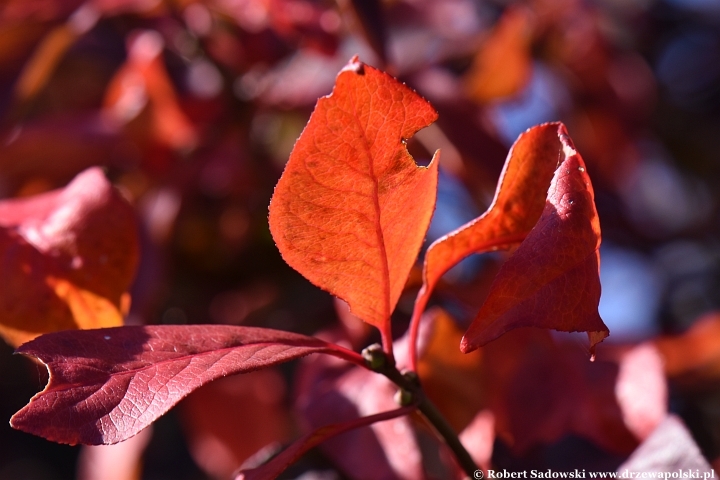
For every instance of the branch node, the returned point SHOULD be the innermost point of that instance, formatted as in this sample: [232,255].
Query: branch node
[375,357]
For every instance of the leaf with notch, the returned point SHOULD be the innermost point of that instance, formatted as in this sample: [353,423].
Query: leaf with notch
[106,385]
[351,209]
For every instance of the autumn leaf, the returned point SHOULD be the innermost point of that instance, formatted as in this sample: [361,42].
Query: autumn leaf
[352,208]
[106,385]
[68,259]
[520,198]
[219,439]
[330,391]
[519,201]
[478,438]
[124,460]
[693,358]
[450,378]
[278,464]
[641,390]
[143,82]
[75,142]
[503,65]
[552,279]
[669,448]
[540,390]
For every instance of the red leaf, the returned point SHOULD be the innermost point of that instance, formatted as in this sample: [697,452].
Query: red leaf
[503,65]
[641,389]
[259,410]
[669,448]
[332,392]
[552,280]
[693,358]
[352,208]
[143,81]
[274,467]
[68,257]
[106,385]
[540,390]
[478,438]
[122,461]
[519,201]
[450,378]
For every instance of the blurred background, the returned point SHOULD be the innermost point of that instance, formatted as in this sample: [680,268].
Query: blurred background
[192,108]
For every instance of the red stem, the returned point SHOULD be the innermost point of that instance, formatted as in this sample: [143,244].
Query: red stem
[420,304]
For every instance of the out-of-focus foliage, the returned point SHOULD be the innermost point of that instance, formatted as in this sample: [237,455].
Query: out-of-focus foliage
[192,109]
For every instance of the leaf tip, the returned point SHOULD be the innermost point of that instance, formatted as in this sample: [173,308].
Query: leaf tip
[595,338]
[466,346]
[355,65]
[567,143]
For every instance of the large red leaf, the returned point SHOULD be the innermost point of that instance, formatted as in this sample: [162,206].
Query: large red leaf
[352,208]
[67,258]
[108,384]
[552,280]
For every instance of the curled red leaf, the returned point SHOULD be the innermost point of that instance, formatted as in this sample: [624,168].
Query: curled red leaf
[552,280]
[519,201]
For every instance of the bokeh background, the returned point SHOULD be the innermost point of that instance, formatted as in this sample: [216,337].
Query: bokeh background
[192,108]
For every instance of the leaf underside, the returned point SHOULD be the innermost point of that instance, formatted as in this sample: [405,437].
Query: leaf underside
[552,280]
[544,206]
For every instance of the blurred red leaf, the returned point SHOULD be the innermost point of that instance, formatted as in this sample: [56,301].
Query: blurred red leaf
[503,64]
[122,461]
[694,356]
[106,385]
[552,280]
[220,438]
[352,208]
[74,142]
[540,390]
[68,259]
[40,66]
[277,464]
[143,82]
[450,378]
[669,448]
[332,392]
[641,390]
[479,437]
